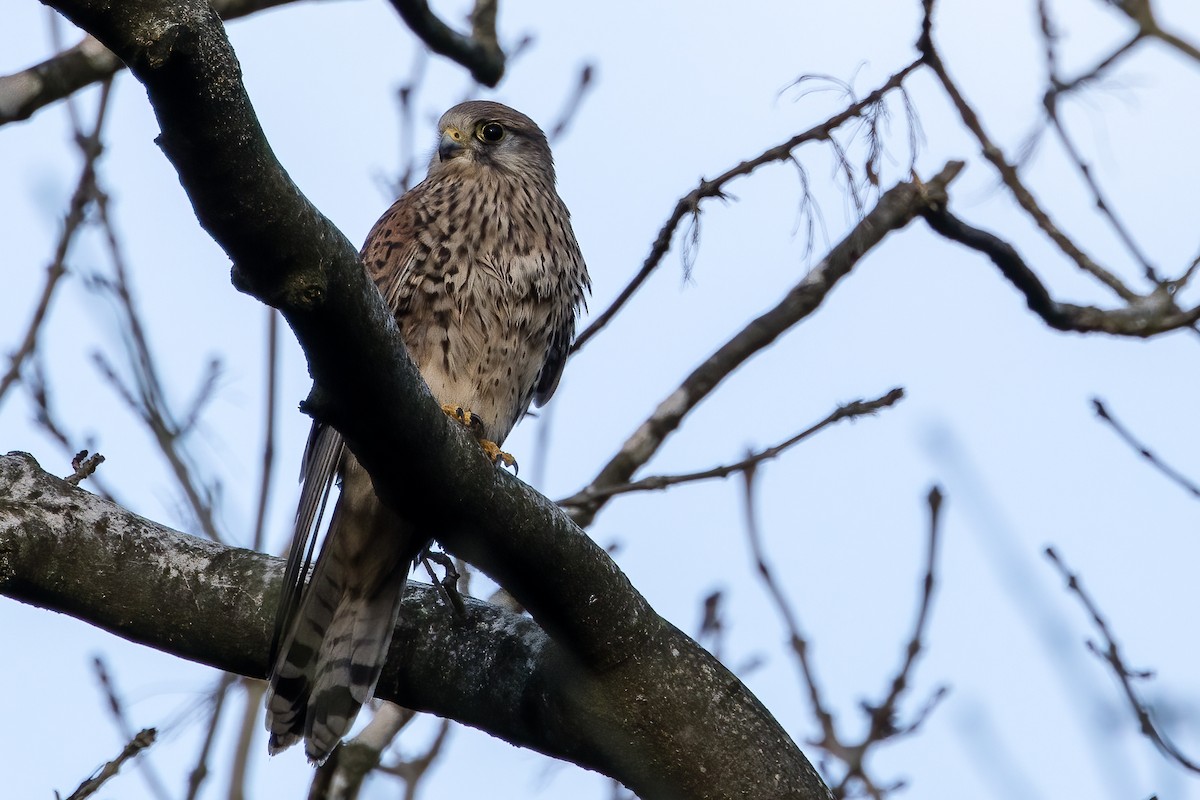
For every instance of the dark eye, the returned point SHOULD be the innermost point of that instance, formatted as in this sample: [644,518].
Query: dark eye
[492,132]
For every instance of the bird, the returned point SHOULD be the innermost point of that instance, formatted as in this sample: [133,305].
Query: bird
[482,270]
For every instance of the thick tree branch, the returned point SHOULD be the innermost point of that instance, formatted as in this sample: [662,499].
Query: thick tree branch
[67,550]
[26,92]
[662,715]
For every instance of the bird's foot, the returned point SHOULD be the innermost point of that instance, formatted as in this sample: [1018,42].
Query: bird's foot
[468,418]
[498,456]
[474,423]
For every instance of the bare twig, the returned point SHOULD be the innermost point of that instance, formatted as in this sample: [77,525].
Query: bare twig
[856,408]
[90,147]
[414,769]
[46,417]
[137,744]
[268,448]
[797,641]
[1144,316]
[1008,172]
[480,52]
[84,465]
[1142,14]
[689,204]
[895,208]
[571,107]
[200,771]
[1175,475]
[406,95]
[882,717]
[1111,654]
[1050,103]
[117,709]
[712,625]
[242,754]
[147,397]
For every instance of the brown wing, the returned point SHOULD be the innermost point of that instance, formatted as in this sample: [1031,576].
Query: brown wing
[556,359]
[392,248]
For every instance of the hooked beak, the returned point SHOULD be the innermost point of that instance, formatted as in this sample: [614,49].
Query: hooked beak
[452,143]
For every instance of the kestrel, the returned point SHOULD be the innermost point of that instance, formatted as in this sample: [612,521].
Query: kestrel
[482,270]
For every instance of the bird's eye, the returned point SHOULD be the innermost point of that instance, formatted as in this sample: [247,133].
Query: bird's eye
[491,132]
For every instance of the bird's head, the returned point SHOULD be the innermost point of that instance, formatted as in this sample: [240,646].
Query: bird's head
[482,134]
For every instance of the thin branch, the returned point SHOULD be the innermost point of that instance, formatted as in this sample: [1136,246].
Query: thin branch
[117,709]
[1142,14]
[90,147]
[84,465]
[689,204]
[242,754]
[1127,436]
[573,103]
[1144,316]
[1063,87]
[268,447]
[797,641]
[136,745]
[200,771]
[894,210]
[1050,103]
[480,52]
[882,718]
[414,769]
[1111,653]
[855,408]
[147,397]
[46,417]
[1008,172]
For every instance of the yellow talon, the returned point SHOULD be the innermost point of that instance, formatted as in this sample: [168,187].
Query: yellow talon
[497,455]
[474,423]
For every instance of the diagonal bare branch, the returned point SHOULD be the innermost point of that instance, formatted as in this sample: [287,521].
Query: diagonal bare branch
[1111,653]
[689,204]
[1008,172]
[82,199]
[894,210]
[855,408]
[24,93]
[1146,316]
[1145,452]
[136,745]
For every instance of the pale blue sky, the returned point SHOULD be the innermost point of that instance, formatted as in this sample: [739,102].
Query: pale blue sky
[998,408]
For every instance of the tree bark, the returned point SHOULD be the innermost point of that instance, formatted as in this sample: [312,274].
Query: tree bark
[643,722]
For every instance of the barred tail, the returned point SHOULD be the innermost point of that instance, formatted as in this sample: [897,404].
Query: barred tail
[333,653]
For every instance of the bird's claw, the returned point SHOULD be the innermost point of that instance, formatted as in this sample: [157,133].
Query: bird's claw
[474,423]
[468,418]
[498,456]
